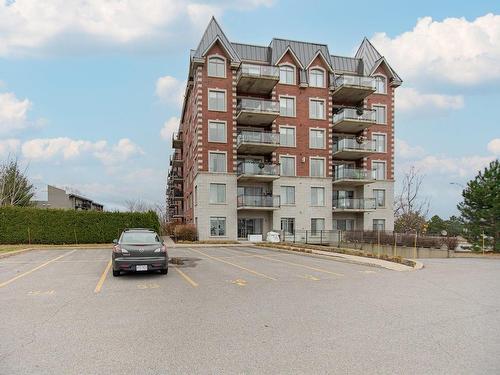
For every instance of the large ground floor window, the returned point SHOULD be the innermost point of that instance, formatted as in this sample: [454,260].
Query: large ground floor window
[217,226]
[288,225]
[250,226]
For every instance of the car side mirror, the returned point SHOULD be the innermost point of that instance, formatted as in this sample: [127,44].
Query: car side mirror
[115,241]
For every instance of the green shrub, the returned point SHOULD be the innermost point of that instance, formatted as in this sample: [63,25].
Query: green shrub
[22,225]
[185,232]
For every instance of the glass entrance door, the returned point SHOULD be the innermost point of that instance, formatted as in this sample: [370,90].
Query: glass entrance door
[249,226]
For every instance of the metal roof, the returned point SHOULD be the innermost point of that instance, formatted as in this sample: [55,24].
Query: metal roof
[344,64]
[367,58]
[304,51]
[213,33]
[372,58]
[252,52]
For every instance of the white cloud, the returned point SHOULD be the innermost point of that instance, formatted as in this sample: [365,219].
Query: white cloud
[406,151]
[13,113]
[494,146]
[170,90]
[409,100]
[454,50]
[170,126]
[30,26]
[44,149]
[9,146]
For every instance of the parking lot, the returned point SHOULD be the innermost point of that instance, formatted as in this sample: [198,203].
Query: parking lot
[246,310]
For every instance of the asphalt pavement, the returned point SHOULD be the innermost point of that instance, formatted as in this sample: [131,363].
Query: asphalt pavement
[228,310]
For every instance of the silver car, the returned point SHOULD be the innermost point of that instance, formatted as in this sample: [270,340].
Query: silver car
[139,250]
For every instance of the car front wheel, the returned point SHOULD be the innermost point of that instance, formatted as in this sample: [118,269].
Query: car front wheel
[116,273]
[164,271]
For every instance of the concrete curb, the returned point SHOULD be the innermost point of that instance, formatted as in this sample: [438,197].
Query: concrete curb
[370,262]
[21,251]
[180,245]
[15,252]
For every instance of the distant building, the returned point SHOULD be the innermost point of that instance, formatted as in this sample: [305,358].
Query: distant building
[58,198]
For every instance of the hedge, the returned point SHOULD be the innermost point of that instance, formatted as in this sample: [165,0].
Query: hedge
[22,225]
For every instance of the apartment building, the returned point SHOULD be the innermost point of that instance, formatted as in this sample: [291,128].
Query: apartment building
[283,137]
[59,198]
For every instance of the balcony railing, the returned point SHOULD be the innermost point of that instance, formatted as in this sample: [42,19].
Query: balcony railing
[343,173]
[176,140]
[258,71]
[354,114]
[359,81]
[248,136]
[265,201]
[354,204]
[257,105]
[258,169]
[354,144]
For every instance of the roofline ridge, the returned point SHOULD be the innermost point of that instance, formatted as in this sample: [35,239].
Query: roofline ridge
[300,41]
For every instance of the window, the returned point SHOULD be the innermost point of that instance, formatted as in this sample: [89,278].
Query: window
[379,196]
[316,109]
[287,75]
[380,143]
[317,224]
[380,114]
[287,195]
[343,224]
[217,226]
[287,136]
[316,138]
[216,67]
[217,131]
[217,193]
[288,225]
[317,196]
[217,162]
[380,85]
[216,100]
[316,78]
[378,224]
[317,167]
[378,170]
[287,106]
[196,195]
[287,165]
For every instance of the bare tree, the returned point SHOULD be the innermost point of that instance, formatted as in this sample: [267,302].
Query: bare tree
[137,205]
[410,209]
[15,187]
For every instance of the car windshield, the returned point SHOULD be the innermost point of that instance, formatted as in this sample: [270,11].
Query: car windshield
[139,238]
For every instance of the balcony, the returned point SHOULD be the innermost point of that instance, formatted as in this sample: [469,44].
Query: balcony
[352,89]
[353,148]
[257,143]
[347,176]
[353,204]
[176,141]
[257,79]
[353,120]
[258,202]
[257,171]
[176,159]
[256,112]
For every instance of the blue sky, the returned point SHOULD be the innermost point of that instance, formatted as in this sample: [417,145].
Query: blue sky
[90,91]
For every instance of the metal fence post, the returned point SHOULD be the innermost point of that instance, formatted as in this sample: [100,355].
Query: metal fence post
[306,236]
[321,237]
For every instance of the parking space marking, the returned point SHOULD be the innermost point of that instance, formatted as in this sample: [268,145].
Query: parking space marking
[98,287]
[300,265]
[41,292]
[189,280]
[310,277]
[5,283]
[148,286]
[233,264]
[239,282]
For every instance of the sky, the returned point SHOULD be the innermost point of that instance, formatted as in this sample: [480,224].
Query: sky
[91,90]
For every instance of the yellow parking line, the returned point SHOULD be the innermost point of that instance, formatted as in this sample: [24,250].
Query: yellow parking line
[186,277]
[34,269]
[98,287]
[234,265]
[300,265]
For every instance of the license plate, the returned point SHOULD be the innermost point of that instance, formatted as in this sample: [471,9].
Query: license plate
[141,268]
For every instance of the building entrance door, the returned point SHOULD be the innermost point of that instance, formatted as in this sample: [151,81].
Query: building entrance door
[249,226]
